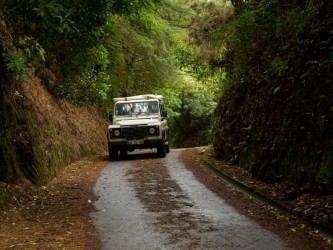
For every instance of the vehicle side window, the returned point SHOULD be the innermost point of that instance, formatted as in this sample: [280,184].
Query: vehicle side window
[161,109]
[153,107]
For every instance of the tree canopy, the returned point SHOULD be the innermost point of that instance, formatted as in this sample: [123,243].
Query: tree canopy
[261,69]
[89,53]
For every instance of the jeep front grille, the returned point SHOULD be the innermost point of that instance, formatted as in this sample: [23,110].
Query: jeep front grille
[134,132]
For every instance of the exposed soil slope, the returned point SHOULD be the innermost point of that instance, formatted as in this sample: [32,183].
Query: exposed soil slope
[57,216]
[42,134]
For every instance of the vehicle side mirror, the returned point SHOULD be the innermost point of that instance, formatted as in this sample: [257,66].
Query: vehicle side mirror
[165,113]
[111,117]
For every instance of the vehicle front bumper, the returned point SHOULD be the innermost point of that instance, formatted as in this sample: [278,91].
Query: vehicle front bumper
[137,143]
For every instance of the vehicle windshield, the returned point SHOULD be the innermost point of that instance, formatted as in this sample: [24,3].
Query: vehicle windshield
[137,108]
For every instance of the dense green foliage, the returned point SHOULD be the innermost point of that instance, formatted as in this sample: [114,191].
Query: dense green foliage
[266,64]
[276,119]
[67,39]
[146,52]
[87,54]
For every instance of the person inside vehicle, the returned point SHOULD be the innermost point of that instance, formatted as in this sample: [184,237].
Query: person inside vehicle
[136,109]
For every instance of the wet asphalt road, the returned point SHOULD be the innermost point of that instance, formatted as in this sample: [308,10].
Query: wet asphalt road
[181,213]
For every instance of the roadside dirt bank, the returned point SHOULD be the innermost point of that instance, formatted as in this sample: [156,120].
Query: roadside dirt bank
[286,225]
[56,216]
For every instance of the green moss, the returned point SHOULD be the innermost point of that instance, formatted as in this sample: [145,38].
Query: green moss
[3,196]
[285,94]
[31,150]
[325,173]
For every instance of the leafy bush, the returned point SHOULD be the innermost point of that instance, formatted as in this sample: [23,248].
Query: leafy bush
[276,118]
[84,80]
[190,117]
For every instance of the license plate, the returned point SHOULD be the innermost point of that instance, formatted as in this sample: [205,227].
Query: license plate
[136,142]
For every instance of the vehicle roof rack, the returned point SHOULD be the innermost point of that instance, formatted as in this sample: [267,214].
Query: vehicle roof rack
[138,98]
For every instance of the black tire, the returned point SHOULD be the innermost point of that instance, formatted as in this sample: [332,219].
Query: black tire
[161,150]
[113,152]
[123,152]
[167,149]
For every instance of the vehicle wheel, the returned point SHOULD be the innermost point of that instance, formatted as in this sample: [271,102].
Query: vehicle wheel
[123,152]
[161,150]
[167,150]
[113,152]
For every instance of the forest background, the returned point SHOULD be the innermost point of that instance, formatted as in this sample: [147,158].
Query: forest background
[251,78]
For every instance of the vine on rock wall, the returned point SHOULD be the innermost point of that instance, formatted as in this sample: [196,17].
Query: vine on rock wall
[277,118]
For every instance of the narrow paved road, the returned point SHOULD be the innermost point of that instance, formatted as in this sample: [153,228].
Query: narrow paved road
[151,203]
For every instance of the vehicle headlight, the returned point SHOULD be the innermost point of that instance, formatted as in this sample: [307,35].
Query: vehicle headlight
[154,130]
[115,132]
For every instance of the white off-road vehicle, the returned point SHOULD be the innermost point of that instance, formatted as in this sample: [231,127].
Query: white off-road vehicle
[138,122]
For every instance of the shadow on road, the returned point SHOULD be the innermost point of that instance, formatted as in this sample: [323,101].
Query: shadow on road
[138,155]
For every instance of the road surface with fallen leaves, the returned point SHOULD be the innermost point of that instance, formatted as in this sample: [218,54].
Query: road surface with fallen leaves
[152,203]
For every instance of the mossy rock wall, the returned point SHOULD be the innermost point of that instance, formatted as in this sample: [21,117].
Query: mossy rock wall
[277,118]
[275,137]
[40,135]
